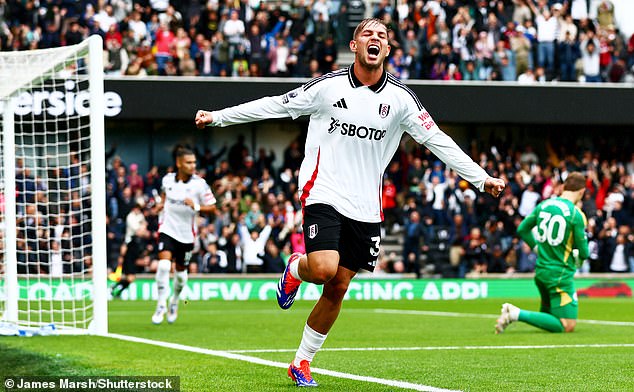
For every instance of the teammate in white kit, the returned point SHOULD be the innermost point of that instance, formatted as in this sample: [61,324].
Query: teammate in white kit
[357,118]
[184,195]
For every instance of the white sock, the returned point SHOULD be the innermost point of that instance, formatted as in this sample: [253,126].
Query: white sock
[180,279]
[311,343]
[514,312]
[163,280]
[294,269]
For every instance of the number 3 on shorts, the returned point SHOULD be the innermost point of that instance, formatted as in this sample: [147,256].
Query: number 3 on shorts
[374,250]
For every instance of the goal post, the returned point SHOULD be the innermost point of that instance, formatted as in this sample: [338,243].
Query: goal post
[53,271]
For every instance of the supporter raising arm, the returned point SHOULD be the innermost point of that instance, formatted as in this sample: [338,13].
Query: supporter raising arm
[358,116]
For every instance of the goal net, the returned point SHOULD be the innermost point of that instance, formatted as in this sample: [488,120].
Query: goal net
[52,190]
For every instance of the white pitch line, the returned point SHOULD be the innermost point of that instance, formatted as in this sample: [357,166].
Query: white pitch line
[440,348]
[488,316]
[260,361]
[606,322]
[434,313]
[388,311]
[208,311]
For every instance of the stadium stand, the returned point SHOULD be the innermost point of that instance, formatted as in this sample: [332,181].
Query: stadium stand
[476,40]
[471,234]
[505,40]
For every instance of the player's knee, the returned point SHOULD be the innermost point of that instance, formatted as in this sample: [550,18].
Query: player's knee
[322,273]
[320,267]
[569,324]
[338,289]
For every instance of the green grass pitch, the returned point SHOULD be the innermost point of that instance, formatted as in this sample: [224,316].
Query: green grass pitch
[427,344]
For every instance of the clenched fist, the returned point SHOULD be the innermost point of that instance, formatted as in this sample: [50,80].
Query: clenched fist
[494,186]
[202,119]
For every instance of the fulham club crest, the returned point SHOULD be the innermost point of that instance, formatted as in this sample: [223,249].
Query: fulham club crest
[312,231]
[384,110]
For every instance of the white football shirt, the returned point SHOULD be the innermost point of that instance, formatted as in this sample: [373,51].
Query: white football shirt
[177,219]
[354,131]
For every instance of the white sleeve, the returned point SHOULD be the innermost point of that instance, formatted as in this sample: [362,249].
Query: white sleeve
[206,196]
[264,235]
[418,122]
[445,148]
[260,109]
[266,232]
[163,186]
[293,104]
[244,232]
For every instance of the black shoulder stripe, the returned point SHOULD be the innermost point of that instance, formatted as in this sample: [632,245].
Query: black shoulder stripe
[393,80]
[329,75]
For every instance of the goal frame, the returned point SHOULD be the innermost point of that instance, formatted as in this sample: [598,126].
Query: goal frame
[99,322]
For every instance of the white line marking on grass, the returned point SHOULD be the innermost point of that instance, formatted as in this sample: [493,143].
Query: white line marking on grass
[260,361]
[606,322]
[433,313]
[440,348]
[488,316]
[208,311]
[385,311]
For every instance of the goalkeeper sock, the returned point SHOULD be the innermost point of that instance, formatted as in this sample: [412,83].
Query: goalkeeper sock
[311,343]
[163,280]
[180,279]
[541,320]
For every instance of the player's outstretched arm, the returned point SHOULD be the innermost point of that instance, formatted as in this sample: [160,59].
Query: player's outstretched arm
[445,148]
[202,119]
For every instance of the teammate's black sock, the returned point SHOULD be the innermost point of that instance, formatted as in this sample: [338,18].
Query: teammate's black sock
[124,283]
[119,287]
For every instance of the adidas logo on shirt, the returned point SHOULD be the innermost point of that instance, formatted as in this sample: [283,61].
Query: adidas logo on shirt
[340,104]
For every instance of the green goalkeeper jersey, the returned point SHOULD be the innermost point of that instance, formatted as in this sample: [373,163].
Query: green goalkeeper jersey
[557,227]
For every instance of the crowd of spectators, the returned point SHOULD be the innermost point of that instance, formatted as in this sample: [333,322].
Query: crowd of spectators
[53,219]
[443,226]
[446,228]
[506,40]
[449,229]
[257,225]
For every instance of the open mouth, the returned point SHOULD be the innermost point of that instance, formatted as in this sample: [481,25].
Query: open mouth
[374,50]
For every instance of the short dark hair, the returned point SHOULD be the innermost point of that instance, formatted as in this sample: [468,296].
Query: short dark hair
[182,151]
[366,22]
[574,182]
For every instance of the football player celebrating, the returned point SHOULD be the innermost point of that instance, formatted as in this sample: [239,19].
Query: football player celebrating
[357,118]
